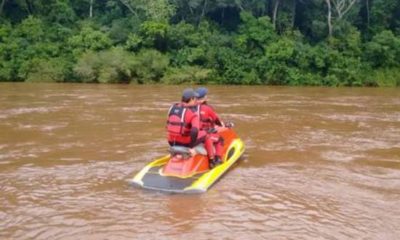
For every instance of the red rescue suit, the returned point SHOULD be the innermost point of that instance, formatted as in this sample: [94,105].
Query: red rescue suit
[208,117]
[183,127]
[208,120]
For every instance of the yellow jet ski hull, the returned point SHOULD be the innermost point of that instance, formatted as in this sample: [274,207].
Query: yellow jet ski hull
[152,177]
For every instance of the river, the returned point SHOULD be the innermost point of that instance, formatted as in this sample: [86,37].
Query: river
[320,163]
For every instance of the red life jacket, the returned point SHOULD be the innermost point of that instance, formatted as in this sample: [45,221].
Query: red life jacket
[177,123]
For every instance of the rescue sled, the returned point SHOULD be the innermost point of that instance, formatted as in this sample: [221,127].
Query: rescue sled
[179,172]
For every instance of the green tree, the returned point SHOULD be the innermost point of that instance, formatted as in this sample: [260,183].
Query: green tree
[383,50]
[187,74]
[283,42]
[154,34]
[89,39]
[119,66]
[255,33]
[155,10]
[110,66]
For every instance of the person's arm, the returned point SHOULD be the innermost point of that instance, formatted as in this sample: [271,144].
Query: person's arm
[194,131]
[214,116]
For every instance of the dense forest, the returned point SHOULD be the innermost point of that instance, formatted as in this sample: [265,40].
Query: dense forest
[274,42]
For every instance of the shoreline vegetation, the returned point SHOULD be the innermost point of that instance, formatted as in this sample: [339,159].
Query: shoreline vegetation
[243,42]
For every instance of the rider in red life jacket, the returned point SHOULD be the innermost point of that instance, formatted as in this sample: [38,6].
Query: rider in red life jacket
[183,124]
[208,120]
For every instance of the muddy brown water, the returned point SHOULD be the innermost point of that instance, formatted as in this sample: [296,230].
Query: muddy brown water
[320,163]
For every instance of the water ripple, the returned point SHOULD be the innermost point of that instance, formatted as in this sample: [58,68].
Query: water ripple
[320,164]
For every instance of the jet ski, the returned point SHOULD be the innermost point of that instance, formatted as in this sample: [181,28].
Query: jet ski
[182,172]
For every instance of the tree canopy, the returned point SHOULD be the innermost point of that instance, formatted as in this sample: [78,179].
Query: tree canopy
[276,42]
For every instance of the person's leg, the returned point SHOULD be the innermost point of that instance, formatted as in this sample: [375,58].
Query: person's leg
[204,138]
[208,145]
[218,143]
[219,147]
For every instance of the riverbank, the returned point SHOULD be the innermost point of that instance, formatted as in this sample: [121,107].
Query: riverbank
[380,78]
